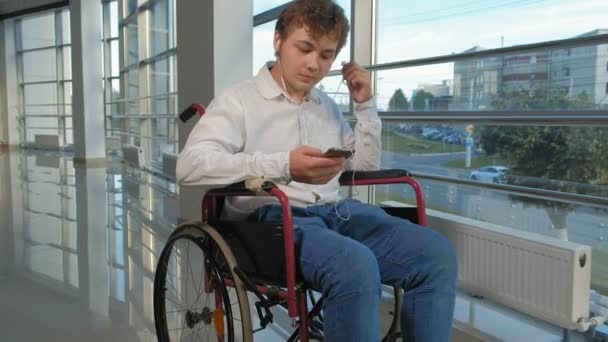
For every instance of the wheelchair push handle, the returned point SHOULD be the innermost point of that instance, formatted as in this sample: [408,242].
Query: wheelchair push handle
[189,112]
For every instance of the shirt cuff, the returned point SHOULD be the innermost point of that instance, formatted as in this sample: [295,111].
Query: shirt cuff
[275,166]
[286,170]
[366,111]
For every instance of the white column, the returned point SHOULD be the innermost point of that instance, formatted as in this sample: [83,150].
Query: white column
[362,45]
[87,101]
[215,49]
[9,95]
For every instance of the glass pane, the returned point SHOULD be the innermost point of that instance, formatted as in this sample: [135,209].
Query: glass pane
[115,90]
[40,65]
[263,50]
[131,43]
[116,125]
[67,92]
[559,158]
[133,126]
[130,7]
[65,27]
[160,77]
[114,19]
[40,94]
[103,54]
[114,63]
[417,29]
[38,122]
[260,6]
[69,136]
[67,63]
[337,90]
[40,110]
[161,30]
[344,54]
[132,84]
[38,31]
[544,80]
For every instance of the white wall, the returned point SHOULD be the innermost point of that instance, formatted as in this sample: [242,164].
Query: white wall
[215,49]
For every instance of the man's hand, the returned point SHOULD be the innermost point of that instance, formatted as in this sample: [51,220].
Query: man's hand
[307,165]
[358,82]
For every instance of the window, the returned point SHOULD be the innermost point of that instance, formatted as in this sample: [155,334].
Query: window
[44,68]
[112,86]
[417,29]
[142,110]
[554,156]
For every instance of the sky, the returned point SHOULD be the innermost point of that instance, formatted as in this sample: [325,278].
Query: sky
[409,29]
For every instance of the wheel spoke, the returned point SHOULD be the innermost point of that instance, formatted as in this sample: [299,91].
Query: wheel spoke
[190,321]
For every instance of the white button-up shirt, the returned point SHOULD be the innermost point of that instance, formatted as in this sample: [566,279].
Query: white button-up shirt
[249,129]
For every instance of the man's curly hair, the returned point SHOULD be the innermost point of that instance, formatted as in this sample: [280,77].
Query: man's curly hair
[319,17]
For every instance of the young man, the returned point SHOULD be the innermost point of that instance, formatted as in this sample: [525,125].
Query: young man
[277,126]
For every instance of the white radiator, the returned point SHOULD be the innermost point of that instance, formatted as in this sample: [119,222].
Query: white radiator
[46,141]
[133,155]
[169,165]
[542,276]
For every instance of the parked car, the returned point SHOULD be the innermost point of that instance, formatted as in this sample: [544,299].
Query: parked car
[491,174]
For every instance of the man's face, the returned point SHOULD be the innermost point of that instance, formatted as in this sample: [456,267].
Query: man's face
[304,61]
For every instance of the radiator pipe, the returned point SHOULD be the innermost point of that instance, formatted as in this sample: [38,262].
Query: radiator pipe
[585,323]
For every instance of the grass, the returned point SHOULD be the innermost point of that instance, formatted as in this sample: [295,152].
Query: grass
[410,144]
[476,162]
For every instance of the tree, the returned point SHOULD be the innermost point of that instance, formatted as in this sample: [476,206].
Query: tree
[398,101]
[420,99]
[562,158]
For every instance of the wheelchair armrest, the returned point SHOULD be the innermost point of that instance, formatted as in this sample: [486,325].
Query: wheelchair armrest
[239,189]
[370,176]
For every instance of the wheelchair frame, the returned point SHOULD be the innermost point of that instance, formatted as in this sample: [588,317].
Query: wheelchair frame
[293,295]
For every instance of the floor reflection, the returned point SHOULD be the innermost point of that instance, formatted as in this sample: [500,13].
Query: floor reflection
[78,251]
[78,247]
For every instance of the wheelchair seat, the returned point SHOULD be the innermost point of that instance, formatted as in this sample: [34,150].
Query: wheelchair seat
[259,246]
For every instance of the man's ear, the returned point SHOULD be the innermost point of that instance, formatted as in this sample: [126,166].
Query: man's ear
[277,44]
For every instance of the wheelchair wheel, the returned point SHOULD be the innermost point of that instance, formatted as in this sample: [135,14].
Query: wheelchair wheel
[192,301]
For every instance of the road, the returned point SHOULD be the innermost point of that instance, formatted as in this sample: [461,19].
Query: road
[586,225]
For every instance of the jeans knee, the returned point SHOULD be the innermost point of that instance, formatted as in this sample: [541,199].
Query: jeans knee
[354,271]
[442,257]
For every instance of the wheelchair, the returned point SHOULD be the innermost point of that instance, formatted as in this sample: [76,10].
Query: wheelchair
[209,272]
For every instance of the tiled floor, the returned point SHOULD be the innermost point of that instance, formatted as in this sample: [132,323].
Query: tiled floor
[78,251]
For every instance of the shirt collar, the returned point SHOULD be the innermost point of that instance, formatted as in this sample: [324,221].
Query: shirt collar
[269,88]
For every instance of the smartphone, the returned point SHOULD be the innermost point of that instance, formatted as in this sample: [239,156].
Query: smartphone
[338,152]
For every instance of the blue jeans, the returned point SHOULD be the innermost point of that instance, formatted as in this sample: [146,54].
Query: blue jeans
[347,260]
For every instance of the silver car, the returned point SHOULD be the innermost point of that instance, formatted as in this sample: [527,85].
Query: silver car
[491,174]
